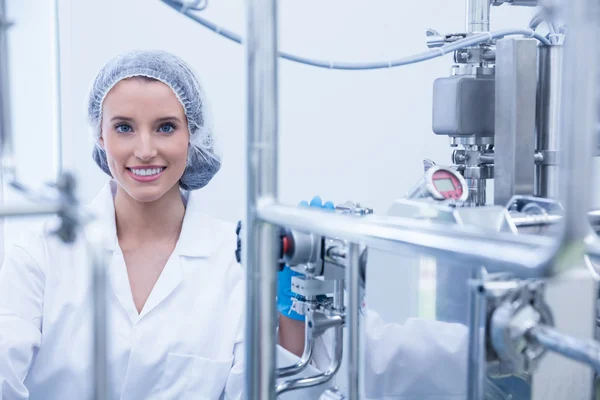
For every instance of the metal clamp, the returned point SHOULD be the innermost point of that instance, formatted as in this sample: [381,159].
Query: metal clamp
[520,311]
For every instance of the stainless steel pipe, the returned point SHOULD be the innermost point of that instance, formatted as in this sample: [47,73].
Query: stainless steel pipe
[578,116]
[476,373]
[550,60]
[587,352]
[519,255]
[352,322]
[29,211]
[260,250]
[338,346]
[478,16]
[93,237]
[7,155]
[302,363]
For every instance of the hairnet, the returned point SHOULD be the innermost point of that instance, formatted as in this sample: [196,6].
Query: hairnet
[203,163]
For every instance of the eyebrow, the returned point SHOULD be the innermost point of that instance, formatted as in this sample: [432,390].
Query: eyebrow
[162,119]
[118,117]
[166,119]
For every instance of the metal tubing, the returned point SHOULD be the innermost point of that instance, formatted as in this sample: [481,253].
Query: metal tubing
[578,116]
[585,351]
[524,256]
[93,237]
[352,322]
[338,346]
[7,155]
[306,354]
[58,156]
[478,16]
[548,112]
[29,211]
[477,192]
[334,366]
[261,253]
[476,374]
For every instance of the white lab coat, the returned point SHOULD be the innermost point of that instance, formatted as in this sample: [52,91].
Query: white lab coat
[185,344]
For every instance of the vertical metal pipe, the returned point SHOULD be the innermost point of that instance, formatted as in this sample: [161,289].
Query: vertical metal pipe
[579,115]
[93,237]
[7,155]
[352,321]
[58,156]
[477,192]
[260,253]
[548,122]
[476,365]
[478,16]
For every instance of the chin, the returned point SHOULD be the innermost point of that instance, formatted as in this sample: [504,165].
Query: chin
[145,193]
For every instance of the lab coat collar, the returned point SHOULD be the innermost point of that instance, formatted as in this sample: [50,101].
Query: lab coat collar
[195,239]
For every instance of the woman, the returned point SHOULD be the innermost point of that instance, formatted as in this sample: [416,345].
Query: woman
[176,293]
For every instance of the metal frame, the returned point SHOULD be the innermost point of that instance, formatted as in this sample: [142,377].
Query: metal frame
[263,212]
[74,220]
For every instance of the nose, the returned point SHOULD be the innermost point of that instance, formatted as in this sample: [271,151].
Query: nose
[145,150]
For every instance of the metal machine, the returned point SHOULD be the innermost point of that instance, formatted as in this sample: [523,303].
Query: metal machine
[502,108]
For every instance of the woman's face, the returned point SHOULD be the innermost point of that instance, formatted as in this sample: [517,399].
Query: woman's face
[145,135]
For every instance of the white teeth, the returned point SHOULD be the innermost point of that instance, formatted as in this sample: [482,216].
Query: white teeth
[147,171]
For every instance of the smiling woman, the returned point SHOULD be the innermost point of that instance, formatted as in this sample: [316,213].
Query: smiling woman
[176,295]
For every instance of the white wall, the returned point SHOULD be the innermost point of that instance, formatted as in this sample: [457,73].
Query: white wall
[33,101]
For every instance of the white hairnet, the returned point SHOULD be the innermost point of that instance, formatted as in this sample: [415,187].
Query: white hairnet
[202,163]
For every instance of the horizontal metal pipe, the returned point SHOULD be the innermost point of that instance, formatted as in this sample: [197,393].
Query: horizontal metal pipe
[535,220]
[29,211]
[525,255]
[585,351]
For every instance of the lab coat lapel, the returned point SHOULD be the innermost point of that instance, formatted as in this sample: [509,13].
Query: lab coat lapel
[168,281]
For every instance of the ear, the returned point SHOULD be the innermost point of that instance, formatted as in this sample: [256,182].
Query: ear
[101,142]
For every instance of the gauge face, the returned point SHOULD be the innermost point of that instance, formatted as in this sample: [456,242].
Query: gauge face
[446,182]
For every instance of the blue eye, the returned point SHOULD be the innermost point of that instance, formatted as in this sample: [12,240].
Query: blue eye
[167,128]
[123,128]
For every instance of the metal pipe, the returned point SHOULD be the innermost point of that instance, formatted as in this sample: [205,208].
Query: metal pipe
[548,117]
[301,364]
[94,240]
[535,220]
[58,142]
[476,374]
[338,346]
[353,322]
[578,117]
[261,253]
[316,380]
[7,154]
[525,255]
[477,192]
[585,351]
[29,211]
[478,16]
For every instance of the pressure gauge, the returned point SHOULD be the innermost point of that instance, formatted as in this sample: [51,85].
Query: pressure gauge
[441,183]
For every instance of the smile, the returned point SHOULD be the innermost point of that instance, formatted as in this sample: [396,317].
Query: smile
[145,174]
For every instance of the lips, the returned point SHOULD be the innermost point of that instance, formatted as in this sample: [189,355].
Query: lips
[146,174]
